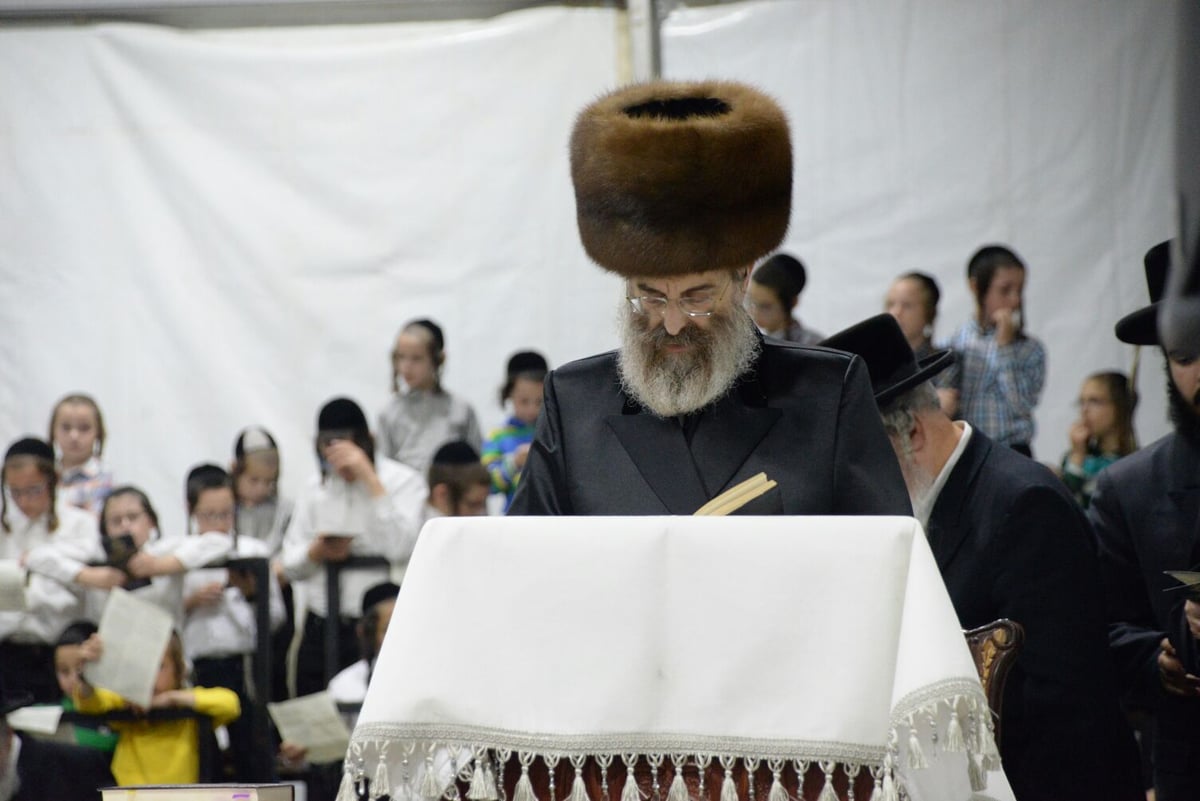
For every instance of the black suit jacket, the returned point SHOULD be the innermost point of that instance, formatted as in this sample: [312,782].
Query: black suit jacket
[1145,512]
[803,415]
[1011,543]
[51,771]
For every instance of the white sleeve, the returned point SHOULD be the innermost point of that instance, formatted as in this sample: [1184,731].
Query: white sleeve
[395,518]
[198,550]
[297,539]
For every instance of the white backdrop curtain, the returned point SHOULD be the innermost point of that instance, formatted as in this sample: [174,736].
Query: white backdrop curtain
[207,229]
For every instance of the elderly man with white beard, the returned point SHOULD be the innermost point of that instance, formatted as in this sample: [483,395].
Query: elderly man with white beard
[680,188]
[1010,542]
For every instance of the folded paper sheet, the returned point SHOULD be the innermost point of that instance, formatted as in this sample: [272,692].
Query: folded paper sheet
[748,640]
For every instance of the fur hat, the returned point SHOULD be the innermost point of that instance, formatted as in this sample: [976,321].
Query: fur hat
[1141,327]
[678,178]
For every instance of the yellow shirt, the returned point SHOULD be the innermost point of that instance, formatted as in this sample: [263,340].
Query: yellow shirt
[166,751]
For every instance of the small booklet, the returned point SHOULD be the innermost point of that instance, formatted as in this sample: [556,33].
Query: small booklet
[1189,582]
[201,792]
[135,635]
[313,721]
[118,551]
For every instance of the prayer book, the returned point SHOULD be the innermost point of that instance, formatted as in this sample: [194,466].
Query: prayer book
[1189,582]
[201,792]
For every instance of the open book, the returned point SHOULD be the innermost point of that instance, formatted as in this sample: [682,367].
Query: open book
[755,495]
[1189,583]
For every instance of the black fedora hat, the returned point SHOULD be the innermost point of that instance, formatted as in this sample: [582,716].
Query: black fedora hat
[1141,327]
[10,703]
[893,367]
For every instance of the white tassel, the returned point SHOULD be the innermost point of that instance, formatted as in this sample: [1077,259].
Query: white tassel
[954,734]
[728,788]
[578,789]
[827,792]
[991,755]
[678,790]
[877,789]
[777,791]
[524,789]
[630,791]
[889,788]
[382,786]
[346,788]
[431,788]
[975,774]
[916,756]
[481,789]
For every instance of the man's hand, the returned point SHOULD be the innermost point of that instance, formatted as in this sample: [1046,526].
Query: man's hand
[349,461]
[1192,611]
[208,595]
[1174,678]
[1005,321]
[330,548]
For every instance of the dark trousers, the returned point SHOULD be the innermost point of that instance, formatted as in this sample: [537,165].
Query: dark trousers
[310,668]
[248,756]
[29,668]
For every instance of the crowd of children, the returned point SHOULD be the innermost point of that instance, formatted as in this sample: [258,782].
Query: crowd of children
[78,533]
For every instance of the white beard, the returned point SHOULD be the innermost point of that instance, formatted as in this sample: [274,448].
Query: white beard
[920,487]
[671,384]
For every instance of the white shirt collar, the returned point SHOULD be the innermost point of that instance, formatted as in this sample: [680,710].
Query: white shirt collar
[923,508]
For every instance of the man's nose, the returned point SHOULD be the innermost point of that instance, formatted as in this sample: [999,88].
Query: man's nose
[674,320]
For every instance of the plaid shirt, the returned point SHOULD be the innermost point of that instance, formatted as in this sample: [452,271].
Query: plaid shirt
[85,487]
[998,385]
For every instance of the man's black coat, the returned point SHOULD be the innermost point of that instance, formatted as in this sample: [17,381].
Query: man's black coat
[1010,542]
[803,415]
[1145,512]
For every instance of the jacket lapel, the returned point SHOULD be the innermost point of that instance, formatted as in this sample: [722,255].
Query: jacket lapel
[947,529]
[1184,491]
[726,436]
[660,453]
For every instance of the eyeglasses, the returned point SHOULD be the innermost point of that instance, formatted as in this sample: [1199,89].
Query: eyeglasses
[36,491]
[693,304]
[215,517]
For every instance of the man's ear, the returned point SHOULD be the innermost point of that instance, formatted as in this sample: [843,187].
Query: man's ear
[439,498]
[916,436]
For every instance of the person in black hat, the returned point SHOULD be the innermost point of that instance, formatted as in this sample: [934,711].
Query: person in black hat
[1145,511]
[34,770]
[459,484]
[1010,542]
[359,504]
[680,188]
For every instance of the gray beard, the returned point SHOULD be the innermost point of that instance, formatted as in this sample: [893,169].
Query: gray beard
[920,485]
[671,384]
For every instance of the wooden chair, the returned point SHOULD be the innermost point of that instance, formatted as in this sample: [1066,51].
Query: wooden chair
[994,648]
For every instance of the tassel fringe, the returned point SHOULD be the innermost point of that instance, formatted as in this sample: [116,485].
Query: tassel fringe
[916,756]
[630,791]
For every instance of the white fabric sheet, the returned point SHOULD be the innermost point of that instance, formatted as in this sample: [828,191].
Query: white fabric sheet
[796,638]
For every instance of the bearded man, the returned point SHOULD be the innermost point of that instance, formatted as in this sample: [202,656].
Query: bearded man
[1010,542]
[680,188]
[1145,511]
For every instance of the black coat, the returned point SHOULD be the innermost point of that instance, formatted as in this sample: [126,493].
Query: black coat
[51,771]
[803,415]
[1010,542]
[1145,512]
